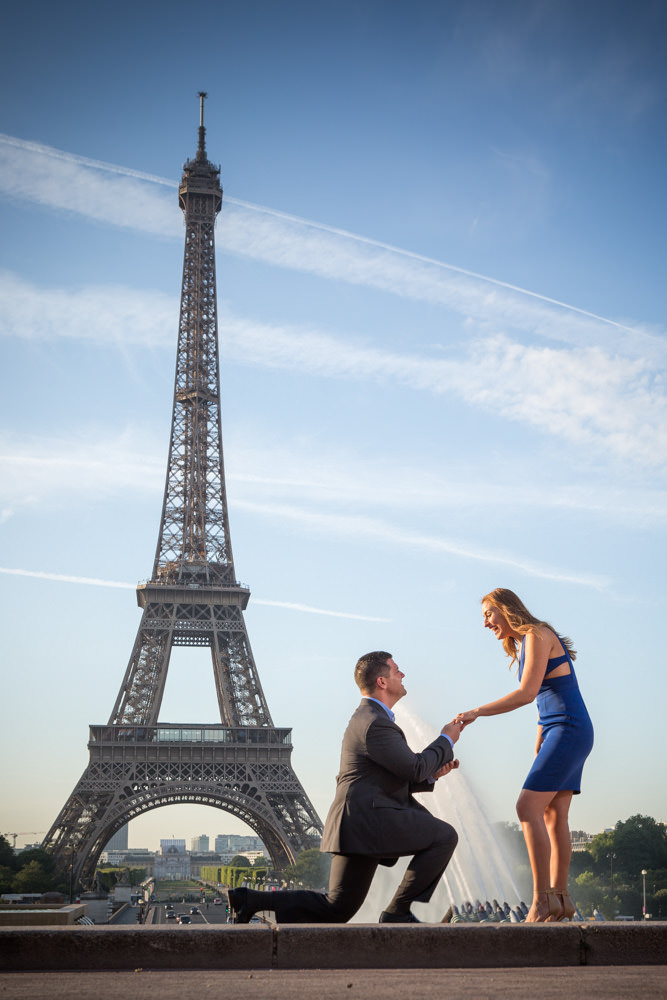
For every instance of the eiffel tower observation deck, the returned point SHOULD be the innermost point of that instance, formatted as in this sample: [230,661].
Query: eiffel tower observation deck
[241,765]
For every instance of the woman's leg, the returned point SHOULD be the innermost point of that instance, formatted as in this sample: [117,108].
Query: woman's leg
[556,819]
[531,807]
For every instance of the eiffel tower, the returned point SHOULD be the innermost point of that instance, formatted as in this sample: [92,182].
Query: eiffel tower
[193,598]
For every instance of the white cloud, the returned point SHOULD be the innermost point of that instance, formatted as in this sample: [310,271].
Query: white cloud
[127,198]
[93,582]
[105,315]
[97,191]
[615,405]
[583,395]
[36,471]
[373,529]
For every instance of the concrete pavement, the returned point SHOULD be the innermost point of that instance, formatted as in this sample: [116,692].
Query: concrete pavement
[547,983]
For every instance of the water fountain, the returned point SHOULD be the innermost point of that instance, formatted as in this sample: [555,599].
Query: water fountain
[479,869]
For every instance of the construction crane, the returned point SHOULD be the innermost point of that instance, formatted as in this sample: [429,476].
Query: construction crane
[25,833]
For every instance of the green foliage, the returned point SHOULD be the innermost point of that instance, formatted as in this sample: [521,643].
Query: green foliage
[636,843]
[210,873]
[581,862]
[239,861]
[311,869]
[6,878]
[110,875]
[7,856]
[32,878]
[36,854]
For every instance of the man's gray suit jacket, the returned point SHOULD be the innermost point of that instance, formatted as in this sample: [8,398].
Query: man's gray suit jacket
[373,812]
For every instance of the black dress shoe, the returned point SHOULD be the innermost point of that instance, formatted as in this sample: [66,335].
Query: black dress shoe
[398,918]
[240,905]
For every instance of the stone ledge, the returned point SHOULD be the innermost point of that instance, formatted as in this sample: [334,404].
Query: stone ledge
[126,948]
[332,946]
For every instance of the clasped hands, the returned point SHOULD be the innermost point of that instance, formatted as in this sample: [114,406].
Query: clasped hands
[454,728]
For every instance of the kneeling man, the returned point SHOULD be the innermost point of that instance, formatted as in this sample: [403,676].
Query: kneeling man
[374,819]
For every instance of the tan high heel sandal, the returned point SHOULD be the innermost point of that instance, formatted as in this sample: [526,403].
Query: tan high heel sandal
[556,906]
[546,909]
[567,905]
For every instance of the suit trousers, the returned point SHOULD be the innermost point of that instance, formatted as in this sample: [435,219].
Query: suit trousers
[350,880]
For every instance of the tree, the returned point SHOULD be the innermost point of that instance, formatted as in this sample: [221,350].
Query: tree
[635,843]
[7,856]
[581,862]
[32,878]
[311,869]
[36,854]
[239,861]
[640,842]
[6,878]
[659,904]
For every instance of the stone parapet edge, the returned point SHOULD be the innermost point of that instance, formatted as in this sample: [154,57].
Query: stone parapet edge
[331,946]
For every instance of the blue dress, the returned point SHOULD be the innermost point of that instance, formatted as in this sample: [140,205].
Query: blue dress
[566,729]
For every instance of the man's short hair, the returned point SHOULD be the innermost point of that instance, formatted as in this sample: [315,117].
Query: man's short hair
[369,667]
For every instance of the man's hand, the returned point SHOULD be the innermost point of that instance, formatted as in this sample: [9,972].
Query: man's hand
[446,768]
[453,730]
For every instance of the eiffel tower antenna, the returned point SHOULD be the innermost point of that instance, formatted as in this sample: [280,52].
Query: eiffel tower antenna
[242,764]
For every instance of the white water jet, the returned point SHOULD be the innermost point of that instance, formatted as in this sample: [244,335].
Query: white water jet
[478,870]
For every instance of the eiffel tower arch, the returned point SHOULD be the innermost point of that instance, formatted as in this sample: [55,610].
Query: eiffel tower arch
[241,764]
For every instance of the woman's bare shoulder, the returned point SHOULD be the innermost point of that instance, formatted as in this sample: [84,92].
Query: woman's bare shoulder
[544,638]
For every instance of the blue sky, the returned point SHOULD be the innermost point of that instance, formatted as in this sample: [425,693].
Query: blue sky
[442,319]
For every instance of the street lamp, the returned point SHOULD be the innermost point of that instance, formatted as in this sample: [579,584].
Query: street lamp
[644,874]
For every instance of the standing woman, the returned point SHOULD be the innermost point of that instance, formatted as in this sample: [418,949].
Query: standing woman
[564,741]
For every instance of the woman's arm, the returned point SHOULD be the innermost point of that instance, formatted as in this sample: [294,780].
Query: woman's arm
[537,647]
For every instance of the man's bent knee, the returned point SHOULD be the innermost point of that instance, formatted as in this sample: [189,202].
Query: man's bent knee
[448,835]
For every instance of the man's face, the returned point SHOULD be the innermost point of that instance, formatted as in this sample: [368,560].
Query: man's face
[392,682]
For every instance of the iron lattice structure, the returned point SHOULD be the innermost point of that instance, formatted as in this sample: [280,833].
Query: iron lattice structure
[193,598]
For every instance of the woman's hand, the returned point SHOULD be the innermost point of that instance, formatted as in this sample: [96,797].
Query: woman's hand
[465,718]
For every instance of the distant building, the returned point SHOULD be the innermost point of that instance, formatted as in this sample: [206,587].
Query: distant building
[135,857]
[119,840]
[580,840]
[27,847]
[198,861]
[199,845]
[230,843]
[173,861]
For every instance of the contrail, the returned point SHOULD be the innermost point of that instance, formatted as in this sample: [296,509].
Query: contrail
[93,582]
[346,234]
[319,226]
[85,161]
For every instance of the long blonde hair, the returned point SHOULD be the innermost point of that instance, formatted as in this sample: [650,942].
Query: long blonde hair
[520,620]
